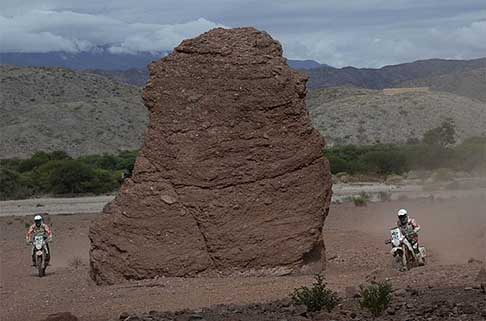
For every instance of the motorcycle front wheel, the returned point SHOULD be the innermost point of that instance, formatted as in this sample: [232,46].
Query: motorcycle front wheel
[39,264]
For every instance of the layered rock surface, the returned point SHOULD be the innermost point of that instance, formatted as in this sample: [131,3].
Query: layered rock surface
[231,178]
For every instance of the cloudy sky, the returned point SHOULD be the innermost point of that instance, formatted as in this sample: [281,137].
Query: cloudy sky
[362,33]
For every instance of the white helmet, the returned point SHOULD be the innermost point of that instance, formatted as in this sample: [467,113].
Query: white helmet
[403,216]
[402,212]
[38,220]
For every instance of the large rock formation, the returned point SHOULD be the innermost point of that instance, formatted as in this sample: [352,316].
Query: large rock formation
[231,178]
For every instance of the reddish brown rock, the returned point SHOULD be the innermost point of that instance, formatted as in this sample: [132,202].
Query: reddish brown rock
[231,178]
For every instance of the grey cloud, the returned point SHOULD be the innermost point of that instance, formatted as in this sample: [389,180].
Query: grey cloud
[43,31]
[352,32]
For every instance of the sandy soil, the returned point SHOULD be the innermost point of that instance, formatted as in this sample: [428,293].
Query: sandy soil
[453,231]
[341,193]
[65,205]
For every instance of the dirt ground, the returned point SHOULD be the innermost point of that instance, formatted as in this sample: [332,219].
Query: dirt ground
[454,232]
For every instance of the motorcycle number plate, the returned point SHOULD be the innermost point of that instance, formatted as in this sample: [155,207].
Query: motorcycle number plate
[39,253]
[395,234]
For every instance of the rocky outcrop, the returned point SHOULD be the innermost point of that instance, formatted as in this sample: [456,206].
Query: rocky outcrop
[231,178]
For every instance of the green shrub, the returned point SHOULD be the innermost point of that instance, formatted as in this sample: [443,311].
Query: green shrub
[103,181]
[36,160]
[376,297]
[372,159]
[71,176]
[40,176]
[13,185]
[384,162]
[56,172]
[338,165]
[317,297]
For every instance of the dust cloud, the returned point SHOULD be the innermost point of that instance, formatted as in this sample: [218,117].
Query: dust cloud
[453,230]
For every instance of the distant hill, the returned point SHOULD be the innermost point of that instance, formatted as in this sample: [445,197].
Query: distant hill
[305,64]
[102,59]
[58,109]
[364,116]
[97,59]
[470,83]
[135,77]
[462,77]
[82,113]
[388,76]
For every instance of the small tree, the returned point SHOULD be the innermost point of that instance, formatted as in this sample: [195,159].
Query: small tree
[317,297]
[443,136]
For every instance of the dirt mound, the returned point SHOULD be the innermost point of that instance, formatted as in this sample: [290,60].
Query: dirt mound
[231,178]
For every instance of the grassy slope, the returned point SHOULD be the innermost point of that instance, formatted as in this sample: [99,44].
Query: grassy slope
[46,109]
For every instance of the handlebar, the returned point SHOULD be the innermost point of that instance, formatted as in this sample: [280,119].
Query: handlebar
[388,242]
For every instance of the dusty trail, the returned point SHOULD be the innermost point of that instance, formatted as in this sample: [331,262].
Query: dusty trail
[454,232]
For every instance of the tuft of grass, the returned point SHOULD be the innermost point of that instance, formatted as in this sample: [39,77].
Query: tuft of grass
[317,297]
[376,297]
[361,200]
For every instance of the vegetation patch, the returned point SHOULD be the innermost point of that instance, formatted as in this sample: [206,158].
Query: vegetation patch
[317,297]
[58,173]
[376,297]
[383,160]
[361,200]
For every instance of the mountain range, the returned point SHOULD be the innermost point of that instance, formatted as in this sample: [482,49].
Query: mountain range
[84,113]
[462,77]
[102,59]
[389,76]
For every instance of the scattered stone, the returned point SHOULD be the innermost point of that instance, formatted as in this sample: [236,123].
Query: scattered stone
[63,316]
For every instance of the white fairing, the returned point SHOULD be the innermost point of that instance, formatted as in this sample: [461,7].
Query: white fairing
[396,236]
[39,242]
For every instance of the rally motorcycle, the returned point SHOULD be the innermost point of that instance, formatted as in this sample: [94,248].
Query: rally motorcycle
[40,253]
[406,253]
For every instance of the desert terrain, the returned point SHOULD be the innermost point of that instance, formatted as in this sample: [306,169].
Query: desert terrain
[454,232]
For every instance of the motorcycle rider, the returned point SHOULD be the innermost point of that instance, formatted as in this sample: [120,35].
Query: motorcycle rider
[410,229]
[39,227]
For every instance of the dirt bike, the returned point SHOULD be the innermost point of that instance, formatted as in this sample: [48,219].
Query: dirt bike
[40,253]
[407,255]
